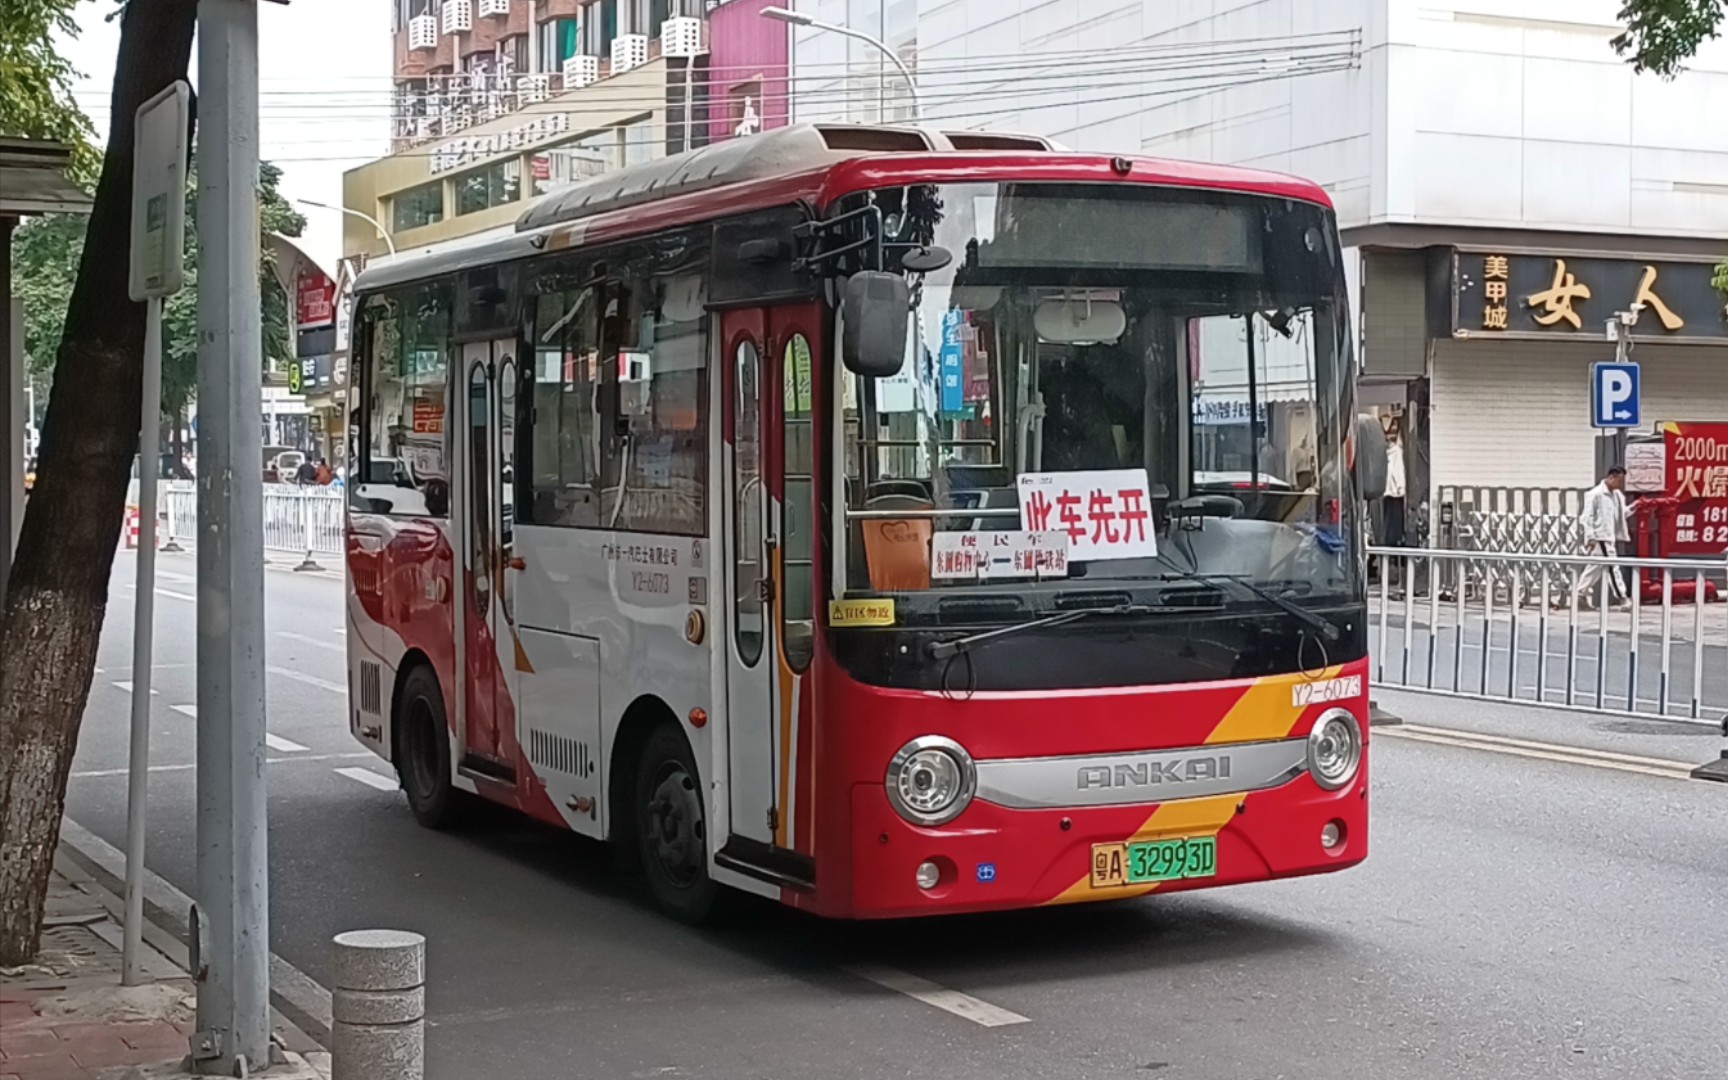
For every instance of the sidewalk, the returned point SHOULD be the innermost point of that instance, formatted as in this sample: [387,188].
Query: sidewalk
[66,1017]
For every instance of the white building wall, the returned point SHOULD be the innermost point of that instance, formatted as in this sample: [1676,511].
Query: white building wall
[1495,113]
[1526,118]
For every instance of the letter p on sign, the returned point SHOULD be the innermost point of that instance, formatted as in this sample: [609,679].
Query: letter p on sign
[1614,396]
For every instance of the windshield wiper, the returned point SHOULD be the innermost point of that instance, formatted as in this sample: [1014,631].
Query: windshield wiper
[1308,618]
[942,650]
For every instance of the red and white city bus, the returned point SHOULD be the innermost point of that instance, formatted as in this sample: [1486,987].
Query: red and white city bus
[833,515]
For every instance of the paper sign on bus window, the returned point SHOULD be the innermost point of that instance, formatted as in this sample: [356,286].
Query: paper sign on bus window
[989,555]
[1105,513]
[867,612]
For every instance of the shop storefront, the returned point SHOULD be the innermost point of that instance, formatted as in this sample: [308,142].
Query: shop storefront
[1510,389]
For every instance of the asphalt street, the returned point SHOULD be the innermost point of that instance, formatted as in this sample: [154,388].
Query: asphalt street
[1524,913]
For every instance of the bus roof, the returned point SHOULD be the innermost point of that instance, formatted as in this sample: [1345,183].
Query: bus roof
[810,163]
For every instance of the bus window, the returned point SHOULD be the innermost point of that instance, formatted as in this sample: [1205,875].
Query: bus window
[402,465]
[797,524]
[747,508]
[564,446]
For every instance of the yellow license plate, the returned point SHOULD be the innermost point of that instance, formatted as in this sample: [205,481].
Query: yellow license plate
[1144,861]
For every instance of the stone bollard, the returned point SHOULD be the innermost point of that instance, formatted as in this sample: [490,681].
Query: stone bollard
[378,1006]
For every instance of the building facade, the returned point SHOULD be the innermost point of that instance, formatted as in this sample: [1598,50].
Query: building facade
[1504,181]
[498,101]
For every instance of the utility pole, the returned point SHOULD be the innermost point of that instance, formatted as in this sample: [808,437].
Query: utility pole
[231,935]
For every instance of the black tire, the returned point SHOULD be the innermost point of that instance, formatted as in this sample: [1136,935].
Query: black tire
[423,753]
[671,827]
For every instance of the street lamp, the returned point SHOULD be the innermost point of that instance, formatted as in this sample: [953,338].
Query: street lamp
[383,233]
[798,18]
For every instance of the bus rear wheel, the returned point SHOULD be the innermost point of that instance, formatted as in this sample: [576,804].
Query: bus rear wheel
[672,827]
[423,753]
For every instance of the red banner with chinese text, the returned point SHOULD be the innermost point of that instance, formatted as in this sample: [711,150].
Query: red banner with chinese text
[1697,476]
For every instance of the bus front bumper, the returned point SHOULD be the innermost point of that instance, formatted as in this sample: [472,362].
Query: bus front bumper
[995,858]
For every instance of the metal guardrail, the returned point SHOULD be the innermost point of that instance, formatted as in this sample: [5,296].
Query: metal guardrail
[1468,624]
[302,520]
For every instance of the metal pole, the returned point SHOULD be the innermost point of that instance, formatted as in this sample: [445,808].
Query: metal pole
[143,648]
[233,1027]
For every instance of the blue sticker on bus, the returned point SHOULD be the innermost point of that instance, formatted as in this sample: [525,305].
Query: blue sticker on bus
[986,872]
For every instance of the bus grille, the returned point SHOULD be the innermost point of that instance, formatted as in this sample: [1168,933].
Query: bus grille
[560,753]
[371,689]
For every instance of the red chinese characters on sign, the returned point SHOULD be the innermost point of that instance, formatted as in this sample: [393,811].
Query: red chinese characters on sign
[314,301]
[428,417]
[1697,476]
[1105,513]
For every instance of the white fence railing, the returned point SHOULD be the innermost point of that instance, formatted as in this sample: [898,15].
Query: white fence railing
[1631,637]
[301,520]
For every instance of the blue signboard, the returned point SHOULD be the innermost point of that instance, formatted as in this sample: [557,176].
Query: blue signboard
[951,363]
[1614,395]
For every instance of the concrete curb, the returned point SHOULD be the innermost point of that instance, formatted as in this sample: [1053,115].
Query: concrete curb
[302,1005]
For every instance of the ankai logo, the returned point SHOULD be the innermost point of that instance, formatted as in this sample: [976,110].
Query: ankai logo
[1148,773]
[1303,695]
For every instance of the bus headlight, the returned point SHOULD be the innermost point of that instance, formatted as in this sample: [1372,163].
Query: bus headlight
[1335,749]
[931,780]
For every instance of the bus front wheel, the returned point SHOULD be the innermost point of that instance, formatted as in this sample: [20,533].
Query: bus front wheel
[671,827]
[423,752]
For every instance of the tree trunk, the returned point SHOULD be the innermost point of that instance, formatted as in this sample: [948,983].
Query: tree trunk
[58,591]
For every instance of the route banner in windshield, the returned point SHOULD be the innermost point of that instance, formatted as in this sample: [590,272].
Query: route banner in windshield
[1105,513]
[984,555]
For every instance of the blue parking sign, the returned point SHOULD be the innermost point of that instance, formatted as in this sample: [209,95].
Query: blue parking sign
[1614,395]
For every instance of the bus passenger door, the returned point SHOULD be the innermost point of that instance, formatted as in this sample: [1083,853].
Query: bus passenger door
[751,671]
[487,609]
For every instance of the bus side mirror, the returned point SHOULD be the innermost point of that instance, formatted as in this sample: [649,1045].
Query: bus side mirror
[1370,458]
[876,307]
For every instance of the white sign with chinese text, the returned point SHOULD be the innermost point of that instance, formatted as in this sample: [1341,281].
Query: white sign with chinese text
[1105,513]
[973,555]
[1647,466]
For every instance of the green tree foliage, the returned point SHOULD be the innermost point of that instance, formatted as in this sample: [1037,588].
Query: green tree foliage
[1661,35]
[45,263]
[36,82]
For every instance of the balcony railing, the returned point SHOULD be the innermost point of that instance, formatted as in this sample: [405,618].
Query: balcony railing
[453,103]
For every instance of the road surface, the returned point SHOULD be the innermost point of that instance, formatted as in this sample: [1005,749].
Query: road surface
[1519,916]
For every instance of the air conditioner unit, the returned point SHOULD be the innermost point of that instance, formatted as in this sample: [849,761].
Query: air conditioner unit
[494,9]
[423,32]
[458,16]
[629,51]
[580,71]
[681,38]
[533,89]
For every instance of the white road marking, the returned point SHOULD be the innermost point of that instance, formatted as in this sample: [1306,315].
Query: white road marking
[307,639]
[126,685]
[169,593]
[1579,751]
[369,778]
[964,1006]
[97,774]
[1671,770]
[309,680]
[274,742]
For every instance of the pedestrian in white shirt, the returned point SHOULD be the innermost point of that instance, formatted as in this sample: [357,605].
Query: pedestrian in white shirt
[1605,530]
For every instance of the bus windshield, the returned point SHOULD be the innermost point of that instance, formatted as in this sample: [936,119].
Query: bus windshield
[1110,390]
